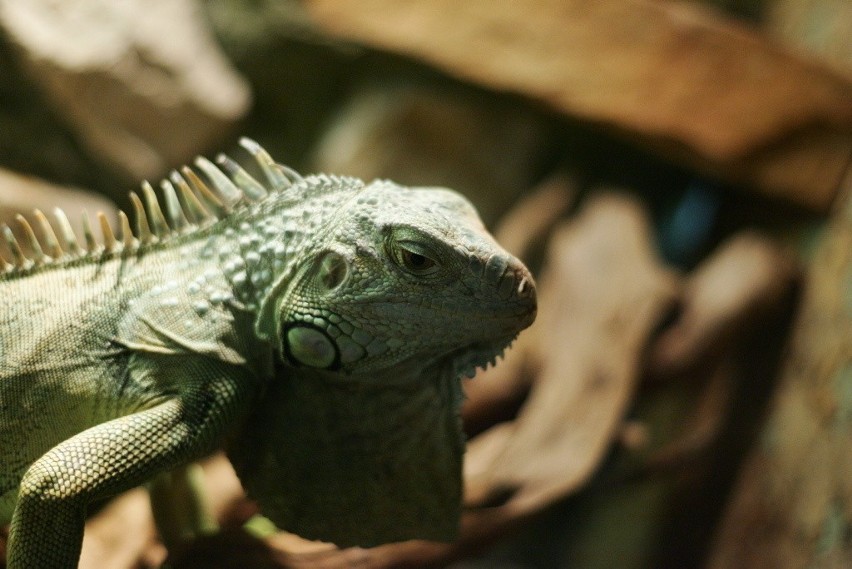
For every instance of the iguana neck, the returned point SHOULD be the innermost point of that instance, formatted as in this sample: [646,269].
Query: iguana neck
[343,451]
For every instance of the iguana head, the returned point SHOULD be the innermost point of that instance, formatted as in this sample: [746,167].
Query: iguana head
[388,302]
[400,278]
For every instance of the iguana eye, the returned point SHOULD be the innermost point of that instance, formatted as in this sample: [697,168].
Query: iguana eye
[414,261]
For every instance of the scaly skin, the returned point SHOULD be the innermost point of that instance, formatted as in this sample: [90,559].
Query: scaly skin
[318,333]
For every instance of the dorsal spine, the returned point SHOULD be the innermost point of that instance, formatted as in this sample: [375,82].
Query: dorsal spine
[190,203]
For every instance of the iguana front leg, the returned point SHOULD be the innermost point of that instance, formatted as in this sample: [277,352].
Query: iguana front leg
[47,525]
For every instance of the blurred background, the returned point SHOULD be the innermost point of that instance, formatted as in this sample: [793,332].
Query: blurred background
[678,174]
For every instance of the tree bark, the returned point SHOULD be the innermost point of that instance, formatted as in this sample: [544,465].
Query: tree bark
[792,506]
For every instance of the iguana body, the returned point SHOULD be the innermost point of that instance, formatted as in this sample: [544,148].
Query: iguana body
[315,327]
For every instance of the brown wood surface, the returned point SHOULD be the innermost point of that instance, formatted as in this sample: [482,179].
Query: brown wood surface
[793,505]
[702,89]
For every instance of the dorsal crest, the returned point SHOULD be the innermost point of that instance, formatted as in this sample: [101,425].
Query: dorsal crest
[188,203]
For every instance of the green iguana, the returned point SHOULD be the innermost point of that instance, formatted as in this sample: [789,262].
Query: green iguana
[315,327]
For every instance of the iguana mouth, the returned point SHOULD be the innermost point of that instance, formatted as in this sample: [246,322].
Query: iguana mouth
[466,361]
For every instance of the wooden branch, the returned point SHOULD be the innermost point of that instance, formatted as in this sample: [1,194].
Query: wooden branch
[675,76]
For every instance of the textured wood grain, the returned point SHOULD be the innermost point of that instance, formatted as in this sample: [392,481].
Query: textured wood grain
[119,72]
[793,505]
[701,89]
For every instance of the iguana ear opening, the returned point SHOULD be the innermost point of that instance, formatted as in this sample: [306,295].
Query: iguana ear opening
[328,272]
[332,270]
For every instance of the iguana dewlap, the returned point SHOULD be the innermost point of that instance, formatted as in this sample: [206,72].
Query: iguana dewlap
[316,327]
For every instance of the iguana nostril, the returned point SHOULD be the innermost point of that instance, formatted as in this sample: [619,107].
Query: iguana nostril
[525,290]
[524,287]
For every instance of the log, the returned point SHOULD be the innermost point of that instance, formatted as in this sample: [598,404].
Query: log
[792,507]
[602,297]
[142,83]
[698,88]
